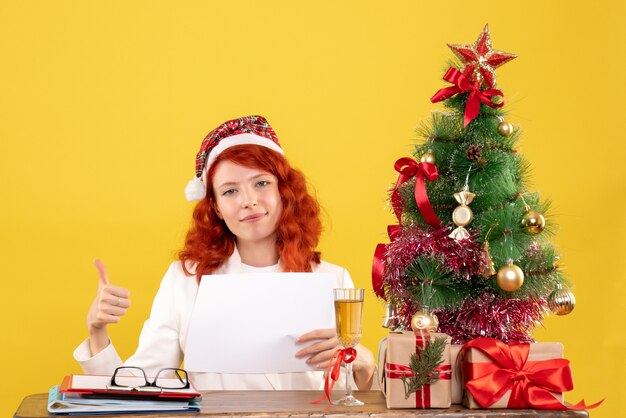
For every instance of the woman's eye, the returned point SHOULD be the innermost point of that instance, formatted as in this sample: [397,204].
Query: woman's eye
[263,183]
[228,192]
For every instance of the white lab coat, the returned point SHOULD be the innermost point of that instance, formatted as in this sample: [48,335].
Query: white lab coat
[162,340]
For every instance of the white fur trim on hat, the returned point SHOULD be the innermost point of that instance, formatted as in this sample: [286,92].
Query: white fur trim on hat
[196,188]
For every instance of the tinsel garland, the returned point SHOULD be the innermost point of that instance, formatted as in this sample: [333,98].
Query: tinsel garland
[488,314]
[462,258]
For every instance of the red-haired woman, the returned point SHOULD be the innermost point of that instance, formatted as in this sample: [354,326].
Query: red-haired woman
[254,215]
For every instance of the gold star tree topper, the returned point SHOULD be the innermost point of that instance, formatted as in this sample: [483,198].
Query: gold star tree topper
[481,59]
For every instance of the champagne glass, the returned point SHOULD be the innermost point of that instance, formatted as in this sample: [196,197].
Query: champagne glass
[348,314]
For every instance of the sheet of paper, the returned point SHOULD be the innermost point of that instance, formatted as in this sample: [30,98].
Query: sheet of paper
[248,323]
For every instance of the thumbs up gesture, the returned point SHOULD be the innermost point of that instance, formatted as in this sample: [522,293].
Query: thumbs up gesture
[108,307]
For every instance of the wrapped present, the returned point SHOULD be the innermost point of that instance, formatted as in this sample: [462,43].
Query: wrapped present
[401,354]
[457,379]
[499,375]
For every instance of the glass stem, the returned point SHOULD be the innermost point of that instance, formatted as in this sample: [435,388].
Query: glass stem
[349,379]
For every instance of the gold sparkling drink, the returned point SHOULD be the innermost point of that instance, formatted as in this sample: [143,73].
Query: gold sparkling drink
[348,314]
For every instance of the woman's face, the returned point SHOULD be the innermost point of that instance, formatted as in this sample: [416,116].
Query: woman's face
[248,201]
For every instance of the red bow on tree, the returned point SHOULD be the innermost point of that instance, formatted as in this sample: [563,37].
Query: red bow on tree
[409,168]
[378,264]
[463,84]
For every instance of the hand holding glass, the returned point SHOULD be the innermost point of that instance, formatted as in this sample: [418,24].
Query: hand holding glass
[348,318]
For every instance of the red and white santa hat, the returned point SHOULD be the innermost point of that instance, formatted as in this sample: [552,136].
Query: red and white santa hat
[253,130]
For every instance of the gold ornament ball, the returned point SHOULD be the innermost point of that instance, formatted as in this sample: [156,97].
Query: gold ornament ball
[505,128]
[428,157]
[424,321]
[510,277]
[561,301]
[533,221]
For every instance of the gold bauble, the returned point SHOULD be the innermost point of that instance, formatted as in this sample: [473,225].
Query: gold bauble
[561,301]
[462,215]
[428,157]
[510,277]
[424,321]
[533,221]
[505,128]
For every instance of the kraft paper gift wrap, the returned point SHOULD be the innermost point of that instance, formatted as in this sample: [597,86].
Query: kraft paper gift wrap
[457,377]
[471,357]
[395,356]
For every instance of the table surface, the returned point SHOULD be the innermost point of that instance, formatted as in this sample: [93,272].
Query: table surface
[297,404]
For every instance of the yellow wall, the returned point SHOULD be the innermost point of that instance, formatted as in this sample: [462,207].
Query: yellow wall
[104,104]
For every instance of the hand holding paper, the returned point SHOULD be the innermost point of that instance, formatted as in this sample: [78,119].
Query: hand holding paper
[322,343]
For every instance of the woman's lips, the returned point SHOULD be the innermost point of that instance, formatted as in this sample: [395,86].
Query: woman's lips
[253,218]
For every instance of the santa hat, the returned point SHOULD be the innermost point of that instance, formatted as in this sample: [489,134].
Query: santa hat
[247,130]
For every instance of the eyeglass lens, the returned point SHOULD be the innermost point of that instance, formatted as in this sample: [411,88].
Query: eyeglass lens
[171,379]
[168,378]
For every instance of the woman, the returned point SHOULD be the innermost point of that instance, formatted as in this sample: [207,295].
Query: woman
[254,215]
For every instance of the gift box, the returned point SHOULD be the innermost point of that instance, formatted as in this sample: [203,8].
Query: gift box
[499,375]
[456,381]
[394,364]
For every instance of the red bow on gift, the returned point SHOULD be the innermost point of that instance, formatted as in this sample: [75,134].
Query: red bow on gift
[530,382]
[462,84]
[343,355]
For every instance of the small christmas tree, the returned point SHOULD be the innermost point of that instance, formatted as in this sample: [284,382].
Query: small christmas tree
[471,255]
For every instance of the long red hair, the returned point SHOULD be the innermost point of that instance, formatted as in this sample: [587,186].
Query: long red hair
[209,242]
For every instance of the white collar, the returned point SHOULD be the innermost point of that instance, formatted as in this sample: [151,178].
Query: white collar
[235,265]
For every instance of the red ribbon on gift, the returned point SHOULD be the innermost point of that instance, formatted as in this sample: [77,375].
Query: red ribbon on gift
[409,168]
[378,266]
[463,84]
[398,371]
[422,400]
[342,355]
[530,382]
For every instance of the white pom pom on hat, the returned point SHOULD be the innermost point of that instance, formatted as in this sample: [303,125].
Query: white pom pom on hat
[247,130]
[195,190]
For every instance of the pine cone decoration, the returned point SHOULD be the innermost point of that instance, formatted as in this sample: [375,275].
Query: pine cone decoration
[474,152]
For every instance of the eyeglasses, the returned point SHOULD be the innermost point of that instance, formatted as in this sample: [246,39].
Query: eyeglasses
[134,378]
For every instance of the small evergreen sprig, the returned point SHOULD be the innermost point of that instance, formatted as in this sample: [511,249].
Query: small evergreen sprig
[424,365]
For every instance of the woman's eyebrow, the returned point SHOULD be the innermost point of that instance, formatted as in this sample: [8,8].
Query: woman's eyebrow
[227,183]
[234,183]
[260,175]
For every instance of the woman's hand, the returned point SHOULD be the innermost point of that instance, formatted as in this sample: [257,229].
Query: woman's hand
[108,307]
[320,352]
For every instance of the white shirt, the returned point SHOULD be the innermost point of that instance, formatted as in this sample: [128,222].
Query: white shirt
[162,340]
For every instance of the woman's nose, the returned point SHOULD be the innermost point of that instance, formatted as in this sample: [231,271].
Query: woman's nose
[249,199]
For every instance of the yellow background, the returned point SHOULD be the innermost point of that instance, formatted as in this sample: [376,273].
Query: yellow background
[103,106]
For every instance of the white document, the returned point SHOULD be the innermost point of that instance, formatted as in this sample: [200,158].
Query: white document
[248,323]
